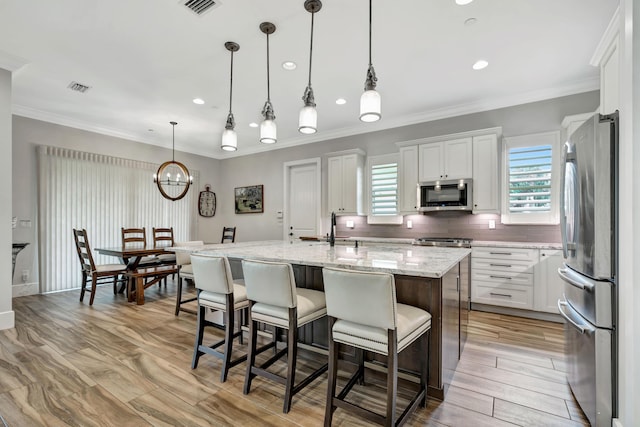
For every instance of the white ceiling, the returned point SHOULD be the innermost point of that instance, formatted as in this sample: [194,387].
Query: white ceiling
[145,61]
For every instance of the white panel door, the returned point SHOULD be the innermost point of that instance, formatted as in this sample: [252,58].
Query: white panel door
[350,184]
[458,159]
[485,174]
[334,181]
[408,179]
[430,162]
[303,200]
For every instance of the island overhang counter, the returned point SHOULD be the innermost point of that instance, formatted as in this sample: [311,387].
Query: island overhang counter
[432,278]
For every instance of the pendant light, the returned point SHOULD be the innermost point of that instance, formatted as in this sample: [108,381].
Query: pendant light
[308,119]
[229,135]
[268,130]
[173,178]
[370,99]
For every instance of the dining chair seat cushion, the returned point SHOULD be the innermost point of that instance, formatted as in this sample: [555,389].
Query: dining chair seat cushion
[412,322]
[311,306]
[218,301]
[110,267]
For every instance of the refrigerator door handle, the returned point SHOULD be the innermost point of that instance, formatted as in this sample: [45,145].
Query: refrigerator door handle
[582,327]
[568,156]
[575,280]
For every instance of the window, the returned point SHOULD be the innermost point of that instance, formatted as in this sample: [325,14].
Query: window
[383,190]
[530,176]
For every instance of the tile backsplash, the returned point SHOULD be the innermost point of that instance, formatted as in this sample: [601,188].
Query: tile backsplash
[450,224]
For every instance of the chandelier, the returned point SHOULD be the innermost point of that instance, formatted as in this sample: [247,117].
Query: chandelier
[173,178]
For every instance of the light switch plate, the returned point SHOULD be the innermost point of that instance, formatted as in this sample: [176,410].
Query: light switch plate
[409,223]
[492,224]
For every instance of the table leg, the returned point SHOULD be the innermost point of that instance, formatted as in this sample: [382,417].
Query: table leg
[140,290]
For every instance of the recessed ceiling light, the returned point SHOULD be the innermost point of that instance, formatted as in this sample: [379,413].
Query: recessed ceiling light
[198,101]
[479,65]
[341,101]
[463,2]
[253,125]
[470,21]
[289,65]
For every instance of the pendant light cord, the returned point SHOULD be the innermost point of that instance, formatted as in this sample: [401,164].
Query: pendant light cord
[173,144]
[231,84]
[268,77]
[370,14]
[311,48]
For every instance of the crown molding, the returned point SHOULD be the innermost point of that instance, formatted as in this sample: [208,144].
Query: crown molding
[11,62]
[607,39]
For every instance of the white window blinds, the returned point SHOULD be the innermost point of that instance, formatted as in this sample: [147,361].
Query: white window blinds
[530,179]
[102,194]
[530,183]
[384,189]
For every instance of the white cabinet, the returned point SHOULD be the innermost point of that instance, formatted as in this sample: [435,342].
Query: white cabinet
[445,160]
[345,183]
[408,180]
[486,174]
[503,276]
[548,285]
[606,57]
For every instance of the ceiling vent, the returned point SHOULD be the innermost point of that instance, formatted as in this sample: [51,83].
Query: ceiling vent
[199,7]
[78,87]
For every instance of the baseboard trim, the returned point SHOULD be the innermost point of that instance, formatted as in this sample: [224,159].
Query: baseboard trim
[538,315]
[7,320]
[25,289]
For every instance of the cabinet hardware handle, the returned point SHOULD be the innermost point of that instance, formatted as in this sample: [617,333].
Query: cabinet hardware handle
[501,277]
[500,295]
[501,265]
[500,253]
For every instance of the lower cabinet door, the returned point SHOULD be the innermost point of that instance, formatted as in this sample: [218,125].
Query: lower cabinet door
[505,295]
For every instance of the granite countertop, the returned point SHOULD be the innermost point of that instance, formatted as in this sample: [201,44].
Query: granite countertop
[391,258]
[523,245]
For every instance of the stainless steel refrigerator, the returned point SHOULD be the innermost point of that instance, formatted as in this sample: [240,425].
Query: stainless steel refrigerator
[588,223]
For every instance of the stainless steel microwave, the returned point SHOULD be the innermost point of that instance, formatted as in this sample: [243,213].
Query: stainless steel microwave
[450,195]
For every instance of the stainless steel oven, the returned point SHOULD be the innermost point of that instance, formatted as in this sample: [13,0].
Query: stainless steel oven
[448,195]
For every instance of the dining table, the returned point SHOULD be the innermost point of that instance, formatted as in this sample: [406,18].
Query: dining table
[132,255]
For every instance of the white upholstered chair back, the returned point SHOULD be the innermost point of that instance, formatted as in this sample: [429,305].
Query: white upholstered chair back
[270,283]
[184,258]
[366,298]
[212,273]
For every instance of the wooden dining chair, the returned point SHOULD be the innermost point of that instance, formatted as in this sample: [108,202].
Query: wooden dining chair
[138,237]
[163,238]
[95,274]
[228,235]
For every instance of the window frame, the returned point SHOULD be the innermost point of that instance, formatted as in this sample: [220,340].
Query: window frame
[552,217]
[380,160]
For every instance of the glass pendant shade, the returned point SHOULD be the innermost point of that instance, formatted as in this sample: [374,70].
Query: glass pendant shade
[229,140]
[370,106]
[308,120]
[268,131]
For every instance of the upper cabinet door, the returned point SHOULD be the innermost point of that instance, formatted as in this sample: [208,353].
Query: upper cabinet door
[458,163]
[334,193]
[350,188]
[486,194]
[408,179]
[431,162]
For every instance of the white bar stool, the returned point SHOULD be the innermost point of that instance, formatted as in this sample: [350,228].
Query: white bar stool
[363,313]
[218,291]
[185,272]
[275,300]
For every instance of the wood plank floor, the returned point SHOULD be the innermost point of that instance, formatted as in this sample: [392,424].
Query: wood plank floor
[119,364]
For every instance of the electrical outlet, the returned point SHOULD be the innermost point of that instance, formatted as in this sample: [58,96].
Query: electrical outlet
[409,223]
[492,224]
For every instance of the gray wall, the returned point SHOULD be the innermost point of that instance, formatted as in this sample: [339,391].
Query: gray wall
[267,168]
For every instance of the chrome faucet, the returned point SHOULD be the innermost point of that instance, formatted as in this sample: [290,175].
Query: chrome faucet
[332,236]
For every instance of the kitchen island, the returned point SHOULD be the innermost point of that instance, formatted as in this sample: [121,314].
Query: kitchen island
[431,278]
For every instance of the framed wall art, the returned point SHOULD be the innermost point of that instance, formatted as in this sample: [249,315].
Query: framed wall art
[249,199]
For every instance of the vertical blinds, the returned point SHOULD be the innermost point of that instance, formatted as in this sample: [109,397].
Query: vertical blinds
[102,194]
[384,189]
[530,179]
